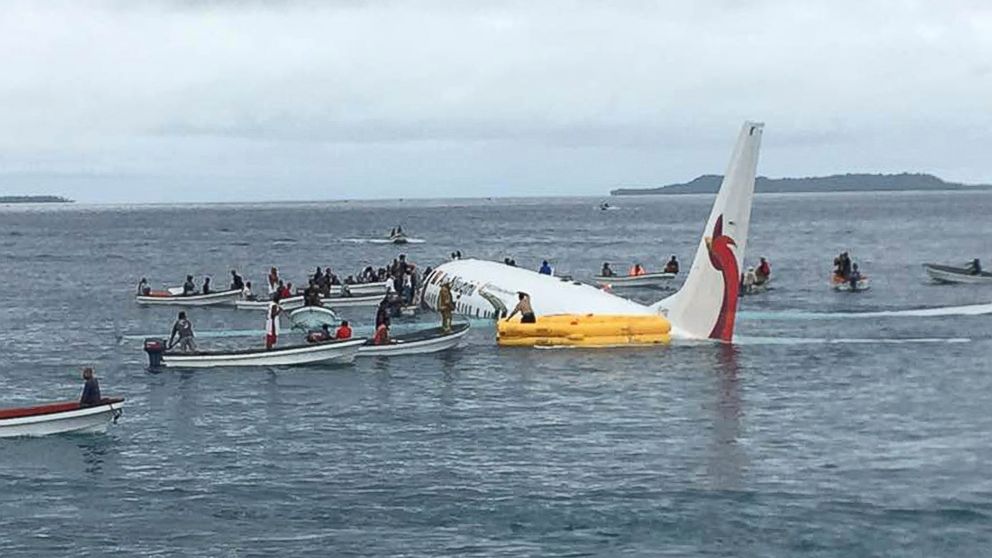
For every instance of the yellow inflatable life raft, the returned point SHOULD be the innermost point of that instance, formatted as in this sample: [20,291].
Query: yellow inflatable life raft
[585,330]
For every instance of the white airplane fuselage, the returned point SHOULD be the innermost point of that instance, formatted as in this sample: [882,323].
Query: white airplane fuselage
[704,308]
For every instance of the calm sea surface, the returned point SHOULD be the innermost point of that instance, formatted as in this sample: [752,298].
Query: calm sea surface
[822,432]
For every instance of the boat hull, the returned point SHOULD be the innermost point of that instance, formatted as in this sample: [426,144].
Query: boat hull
[425,342]
[845,286]
[94,419]
[632,281]
[329,352]
[212,299]
[351,301]
[291,303]
[361,289]
[313,317]
[950,274]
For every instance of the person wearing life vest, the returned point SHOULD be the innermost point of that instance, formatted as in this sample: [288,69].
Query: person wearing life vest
[637,269]
[607,271]
[343,332]
[763,273]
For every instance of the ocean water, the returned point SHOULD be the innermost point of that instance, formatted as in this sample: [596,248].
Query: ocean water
[838,425]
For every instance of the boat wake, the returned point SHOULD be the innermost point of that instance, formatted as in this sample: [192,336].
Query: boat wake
[746,340]
[785,315]
[409,240]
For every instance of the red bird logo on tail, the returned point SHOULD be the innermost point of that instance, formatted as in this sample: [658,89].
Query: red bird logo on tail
[723,259]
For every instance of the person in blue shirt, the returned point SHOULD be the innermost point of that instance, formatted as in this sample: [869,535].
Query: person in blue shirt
[545,268]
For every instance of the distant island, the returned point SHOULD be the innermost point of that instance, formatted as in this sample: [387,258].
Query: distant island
[34,199]
[710,183]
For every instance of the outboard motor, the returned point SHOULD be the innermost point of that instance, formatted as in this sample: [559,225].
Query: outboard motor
[155,348]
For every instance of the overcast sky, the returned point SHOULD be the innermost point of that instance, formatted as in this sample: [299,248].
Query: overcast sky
[236,101]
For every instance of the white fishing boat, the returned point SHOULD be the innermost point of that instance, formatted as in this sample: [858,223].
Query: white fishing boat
[655,280]
[359,289]
[326,352]
[312,317]
[420,342]
[166,298]
[845,286]
[951,274]
[60,418]
[290,303]
[352,301]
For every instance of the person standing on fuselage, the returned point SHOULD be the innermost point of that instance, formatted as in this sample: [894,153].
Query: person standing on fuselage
[446,306]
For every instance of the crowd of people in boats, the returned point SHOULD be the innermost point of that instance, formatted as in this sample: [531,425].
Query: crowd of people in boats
[636,270]
[402,280]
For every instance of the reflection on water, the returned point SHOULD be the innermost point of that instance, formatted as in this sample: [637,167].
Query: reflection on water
[728,459]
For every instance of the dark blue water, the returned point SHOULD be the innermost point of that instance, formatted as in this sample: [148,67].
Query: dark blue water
[820,436]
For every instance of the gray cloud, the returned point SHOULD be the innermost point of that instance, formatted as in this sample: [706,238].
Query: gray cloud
[353,98]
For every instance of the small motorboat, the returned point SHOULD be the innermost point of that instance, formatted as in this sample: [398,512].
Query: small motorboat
[650,280]
[60,418]
[362,288]
[398,238]
[417,343]
[843,285]
[167,298]
[351,301]
[290,303]
[326,352]
[951,274]
[756,288]
[312,317]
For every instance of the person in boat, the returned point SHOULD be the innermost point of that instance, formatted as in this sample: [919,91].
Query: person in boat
[672,266]
[854,277]
[545,268]
[381,336]
[763,273]
[975,267]
[311,296]
[182,332]
[323,334]
[91,389]
[189,287]
[445,305]
[206,286]
[237,282]
[399,229]
[524,308]
[636,270]
[407,291]
[285,291]
[143,288]
[392,232]
[343,332]
[272,325]
[845,266]
[318,276]
[246,293]
[750,280]
[382,313]
[607,271]
[274,282]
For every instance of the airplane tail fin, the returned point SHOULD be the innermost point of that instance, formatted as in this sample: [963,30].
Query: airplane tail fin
[706,305]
